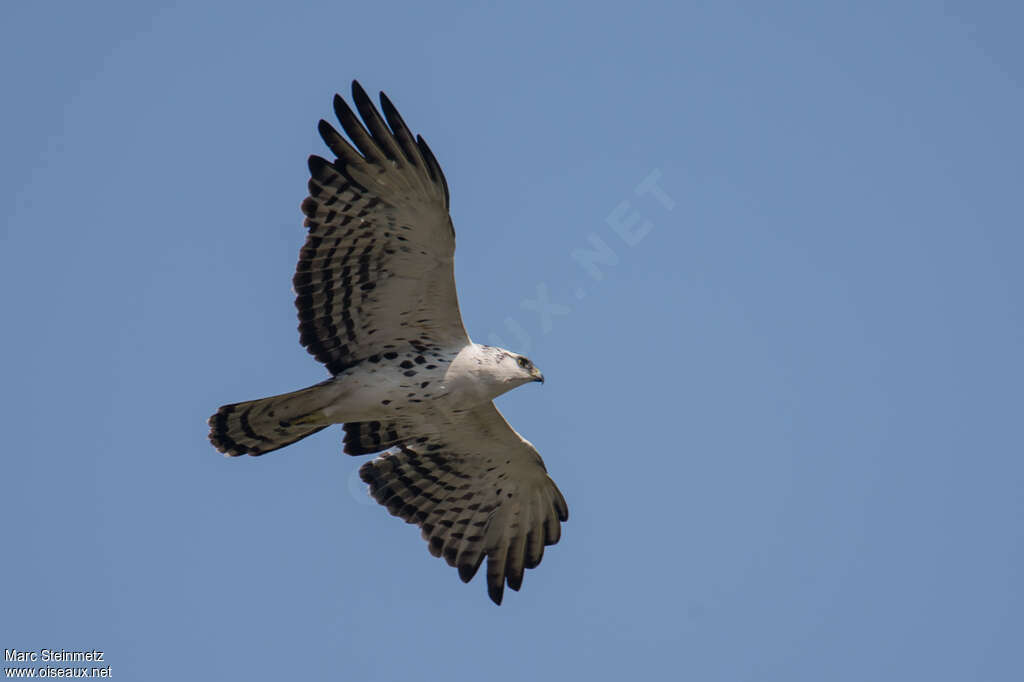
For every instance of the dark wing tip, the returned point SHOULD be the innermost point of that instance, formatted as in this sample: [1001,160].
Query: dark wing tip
[317,164]
[360,97]
[386,104]
[404,136]
[467,570]
[348,119]
[434,168]
[394,118]
[325,128]
[561,508]
[496,590]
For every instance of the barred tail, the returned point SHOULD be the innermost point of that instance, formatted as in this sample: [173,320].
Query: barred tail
[259,426]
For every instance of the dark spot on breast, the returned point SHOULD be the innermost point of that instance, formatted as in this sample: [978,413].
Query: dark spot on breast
[405,364]
[423,385]
[420,359]
[409,373]
[391,355]
[374,358]
[385,402]
[431,366]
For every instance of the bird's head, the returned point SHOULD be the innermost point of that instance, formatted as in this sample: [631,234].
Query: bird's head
[500,370]
[509,369]
[526,369]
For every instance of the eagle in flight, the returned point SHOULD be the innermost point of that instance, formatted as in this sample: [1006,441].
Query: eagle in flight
[375,291]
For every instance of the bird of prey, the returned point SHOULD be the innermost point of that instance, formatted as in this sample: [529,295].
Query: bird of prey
[375,291]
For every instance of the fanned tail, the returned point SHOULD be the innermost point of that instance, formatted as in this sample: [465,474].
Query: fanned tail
[259,426]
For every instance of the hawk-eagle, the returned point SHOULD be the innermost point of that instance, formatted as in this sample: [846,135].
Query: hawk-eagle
[375,290]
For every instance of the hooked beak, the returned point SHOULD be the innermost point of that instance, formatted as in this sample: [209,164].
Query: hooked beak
[537,376]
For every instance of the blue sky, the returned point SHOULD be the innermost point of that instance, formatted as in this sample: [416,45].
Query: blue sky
[786,414]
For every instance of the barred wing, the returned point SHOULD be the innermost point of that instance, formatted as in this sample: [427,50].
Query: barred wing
[376,272]
[478,490]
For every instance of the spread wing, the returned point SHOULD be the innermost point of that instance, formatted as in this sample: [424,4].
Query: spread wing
[376,270]
[478,490]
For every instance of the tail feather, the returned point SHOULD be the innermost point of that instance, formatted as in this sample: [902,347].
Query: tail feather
[259,426]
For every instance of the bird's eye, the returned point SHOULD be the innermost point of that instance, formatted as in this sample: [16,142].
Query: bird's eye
[523,362]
